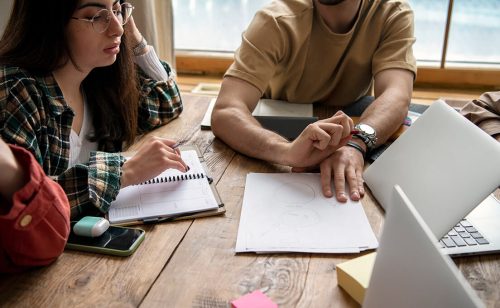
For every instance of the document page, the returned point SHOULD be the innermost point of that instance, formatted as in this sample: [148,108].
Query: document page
[170,193]
[287,212]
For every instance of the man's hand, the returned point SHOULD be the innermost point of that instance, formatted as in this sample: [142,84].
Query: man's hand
[346,164]
[319,140]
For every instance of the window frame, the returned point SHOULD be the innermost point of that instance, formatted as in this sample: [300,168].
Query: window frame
[216,63]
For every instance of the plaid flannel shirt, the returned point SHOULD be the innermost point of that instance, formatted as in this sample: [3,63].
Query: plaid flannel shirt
[35,116]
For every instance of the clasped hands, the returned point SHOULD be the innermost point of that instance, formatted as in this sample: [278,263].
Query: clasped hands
[322,144]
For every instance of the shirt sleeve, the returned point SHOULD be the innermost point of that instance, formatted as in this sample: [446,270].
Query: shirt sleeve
[92,185]
[259,54]
[485,112]
[28,122]
[160,100]
[151,65]
[395,49]
[35,229]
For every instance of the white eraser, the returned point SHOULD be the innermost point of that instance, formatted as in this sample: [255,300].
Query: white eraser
[91,226]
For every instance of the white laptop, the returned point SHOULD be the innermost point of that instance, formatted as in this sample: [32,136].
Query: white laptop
[447,166]
[410,269]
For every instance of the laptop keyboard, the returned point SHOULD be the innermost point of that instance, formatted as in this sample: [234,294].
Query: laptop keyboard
[463,234]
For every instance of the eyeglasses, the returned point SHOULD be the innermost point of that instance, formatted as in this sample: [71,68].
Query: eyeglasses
[101,20]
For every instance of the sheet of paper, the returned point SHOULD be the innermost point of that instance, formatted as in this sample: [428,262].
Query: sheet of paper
[170,193]
[272,107]
[287,212]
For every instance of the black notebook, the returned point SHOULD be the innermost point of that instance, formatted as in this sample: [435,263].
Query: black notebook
[171,195]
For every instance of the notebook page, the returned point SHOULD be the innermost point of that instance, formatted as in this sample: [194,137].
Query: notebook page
[170,193]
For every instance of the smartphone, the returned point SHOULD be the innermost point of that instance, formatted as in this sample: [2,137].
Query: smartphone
[118,241]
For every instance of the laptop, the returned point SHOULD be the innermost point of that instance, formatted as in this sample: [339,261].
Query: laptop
[447,166]
[288,127]
[410,270]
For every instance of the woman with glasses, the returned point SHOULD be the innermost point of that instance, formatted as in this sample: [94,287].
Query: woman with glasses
[77,83]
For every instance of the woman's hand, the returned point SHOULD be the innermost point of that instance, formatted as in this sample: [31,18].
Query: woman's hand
[154,157]
[133,34]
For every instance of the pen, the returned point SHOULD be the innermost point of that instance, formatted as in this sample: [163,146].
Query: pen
[178,144]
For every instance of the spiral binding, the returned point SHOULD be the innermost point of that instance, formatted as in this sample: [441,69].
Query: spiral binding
[166,179]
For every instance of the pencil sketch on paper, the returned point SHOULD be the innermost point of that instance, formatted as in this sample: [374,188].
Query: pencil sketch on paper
[288,212]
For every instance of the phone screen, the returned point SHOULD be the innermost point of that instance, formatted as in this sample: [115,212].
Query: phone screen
[116,238]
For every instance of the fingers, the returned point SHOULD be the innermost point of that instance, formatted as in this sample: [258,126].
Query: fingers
[171,159]
[326,181]
[352,180]
[339,183]
[155,156]
[331,131]
[343,120]
[324,134]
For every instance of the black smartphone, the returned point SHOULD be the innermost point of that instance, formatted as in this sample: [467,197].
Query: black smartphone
[118,241]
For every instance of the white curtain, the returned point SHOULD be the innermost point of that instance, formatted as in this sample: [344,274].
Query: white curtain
[153,17]
[5,7]
[155,20]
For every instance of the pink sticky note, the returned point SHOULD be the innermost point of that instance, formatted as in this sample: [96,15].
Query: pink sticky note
[256,299]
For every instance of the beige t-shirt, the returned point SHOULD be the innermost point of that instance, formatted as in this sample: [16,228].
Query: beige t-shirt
[485,112]
[289,53]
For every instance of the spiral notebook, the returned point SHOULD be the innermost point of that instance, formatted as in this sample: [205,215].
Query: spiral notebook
[171,195]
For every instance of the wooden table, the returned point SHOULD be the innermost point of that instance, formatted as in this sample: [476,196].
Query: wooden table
[192,263]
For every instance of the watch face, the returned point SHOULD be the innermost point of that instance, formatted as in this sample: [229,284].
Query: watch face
[367,129]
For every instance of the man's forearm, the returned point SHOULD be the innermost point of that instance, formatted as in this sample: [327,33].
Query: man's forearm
[242,132]
[386,114]
[393,89]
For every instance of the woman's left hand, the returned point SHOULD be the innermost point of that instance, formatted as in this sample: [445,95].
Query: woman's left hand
[133,34]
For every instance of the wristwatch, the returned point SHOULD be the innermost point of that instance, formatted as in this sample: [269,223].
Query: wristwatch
[367,134]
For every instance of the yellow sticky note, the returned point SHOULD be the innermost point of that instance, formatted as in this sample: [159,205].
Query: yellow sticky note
[354,275]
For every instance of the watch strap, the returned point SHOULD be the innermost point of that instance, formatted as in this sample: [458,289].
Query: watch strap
[137,49]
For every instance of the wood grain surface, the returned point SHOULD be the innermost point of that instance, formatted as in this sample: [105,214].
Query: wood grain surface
[192,263]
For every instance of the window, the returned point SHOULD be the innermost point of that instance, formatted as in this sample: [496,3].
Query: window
[467,36]
[212,25]
[475,33]
[473,37]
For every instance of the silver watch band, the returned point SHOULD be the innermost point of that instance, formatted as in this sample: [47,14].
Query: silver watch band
[137,49]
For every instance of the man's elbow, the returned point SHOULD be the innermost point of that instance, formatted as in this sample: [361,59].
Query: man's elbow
[217,120]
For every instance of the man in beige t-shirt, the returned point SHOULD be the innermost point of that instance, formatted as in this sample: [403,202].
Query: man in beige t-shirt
[328,51]
[485,113]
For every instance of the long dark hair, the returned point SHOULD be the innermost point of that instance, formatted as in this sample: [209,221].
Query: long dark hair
[35,40]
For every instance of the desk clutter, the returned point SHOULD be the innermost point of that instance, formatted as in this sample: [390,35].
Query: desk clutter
[193,263]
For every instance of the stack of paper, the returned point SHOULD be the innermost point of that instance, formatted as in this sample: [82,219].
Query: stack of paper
[287,212]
